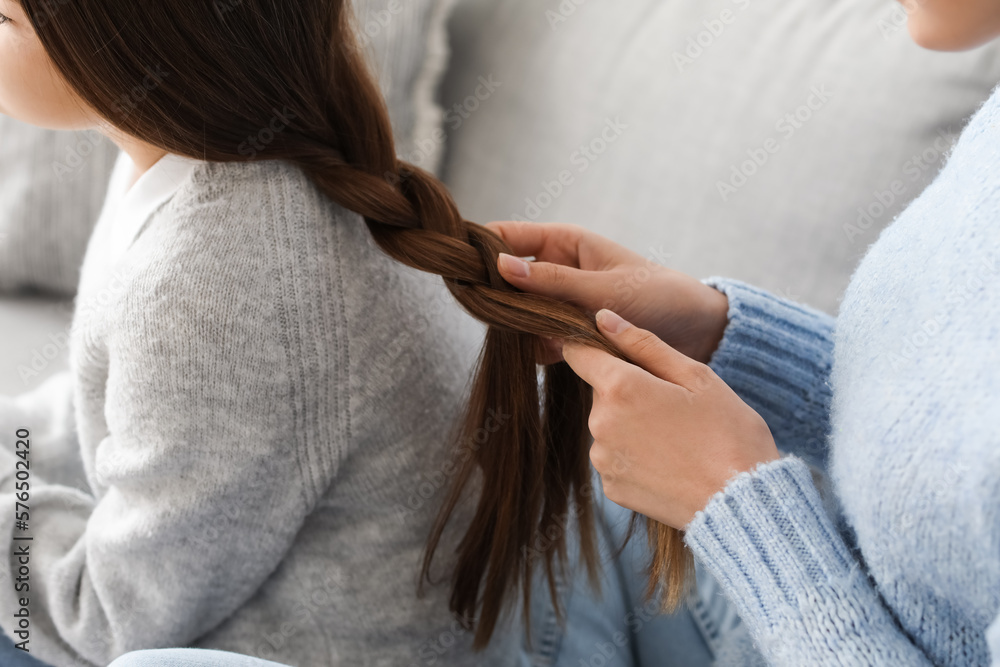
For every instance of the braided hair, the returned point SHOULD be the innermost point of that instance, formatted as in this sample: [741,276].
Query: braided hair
[213,74]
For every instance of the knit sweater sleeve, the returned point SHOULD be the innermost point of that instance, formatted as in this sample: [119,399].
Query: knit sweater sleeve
[209,464]
[776,355]
[768,541]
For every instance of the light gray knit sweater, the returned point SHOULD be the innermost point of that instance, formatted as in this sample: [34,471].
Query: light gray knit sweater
[256,418]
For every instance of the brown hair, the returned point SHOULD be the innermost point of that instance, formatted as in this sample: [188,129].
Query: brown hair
[212,74]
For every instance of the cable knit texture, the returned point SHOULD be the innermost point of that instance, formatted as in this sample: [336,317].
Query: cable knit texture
[898,399]
[259,405]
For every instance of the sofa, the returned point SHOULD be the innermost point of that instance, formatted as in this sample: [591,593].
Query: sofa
[770,142]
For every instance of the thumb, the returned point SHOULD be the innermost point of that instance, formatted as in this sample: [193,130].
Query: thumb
[566,283]
[645,349]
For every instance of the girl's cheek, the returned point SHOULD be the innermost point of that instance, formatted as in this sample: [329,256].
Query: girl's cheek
[31,90]
[6,74]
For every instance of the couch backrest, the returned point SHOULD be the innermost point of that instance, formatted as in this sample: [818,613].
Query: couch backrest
[767,141]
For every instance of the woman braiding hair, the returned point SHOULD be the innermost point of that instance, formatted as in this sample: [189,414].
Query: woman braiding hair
[231,73]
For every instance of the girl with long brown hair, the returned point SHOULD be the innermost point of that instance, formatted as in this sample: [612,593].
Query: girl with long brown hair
[259,377]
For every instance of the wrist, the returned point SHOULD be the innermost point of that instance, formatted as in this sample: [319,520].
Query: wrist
[716,319]
[719,486]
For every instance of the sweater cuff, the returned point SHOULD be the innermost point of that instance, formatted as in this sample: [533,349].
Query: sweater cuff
[777,355]
[791,577]
[767,539]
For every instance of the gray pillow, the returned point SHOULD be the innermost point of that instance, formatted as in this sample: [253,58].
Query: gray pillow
[726,137]
[407,46]
[53,183]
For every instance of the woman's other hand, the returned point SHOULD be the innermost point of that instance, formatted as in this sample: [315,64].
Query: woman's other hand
[668,432]
[592,272]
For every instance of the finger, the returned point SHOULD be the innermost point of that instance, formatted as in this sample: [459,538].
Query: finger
[645,349]
[549,241]
[591,364]
[587,289]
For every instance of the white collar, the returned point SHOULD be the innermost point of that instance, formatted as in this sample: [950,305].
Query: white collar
[132,207]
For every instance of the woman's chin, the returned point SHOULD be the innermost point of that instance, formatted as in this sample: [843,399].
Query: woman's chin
[47,121]
[929,34]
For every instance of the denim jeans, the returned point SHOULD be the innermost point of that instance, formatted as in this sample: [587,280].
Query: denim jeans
[614,628]
[15,657]
[618,627]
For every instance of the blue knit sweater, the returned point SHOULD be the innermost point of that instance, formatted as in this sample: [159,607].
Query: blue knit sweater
[899,400]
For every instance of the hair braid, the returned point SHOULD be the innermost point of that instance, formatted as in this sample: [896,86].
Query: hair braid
[538,464]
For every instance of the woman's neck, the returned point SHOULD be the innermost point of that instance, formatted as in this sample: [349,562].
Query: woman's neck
[143,154]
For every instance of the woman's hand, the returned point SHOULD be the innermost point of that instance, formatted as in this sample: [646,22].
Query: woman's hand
[592,272]
[668,432]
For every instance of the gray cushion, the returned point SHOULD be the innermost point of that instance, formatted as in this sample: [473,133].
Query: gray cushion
[407,45]
[53,185]
[700,89]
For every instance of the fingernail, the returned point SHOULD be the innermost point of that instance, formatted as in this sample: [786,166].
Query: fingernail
[611,322]
[514,266]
